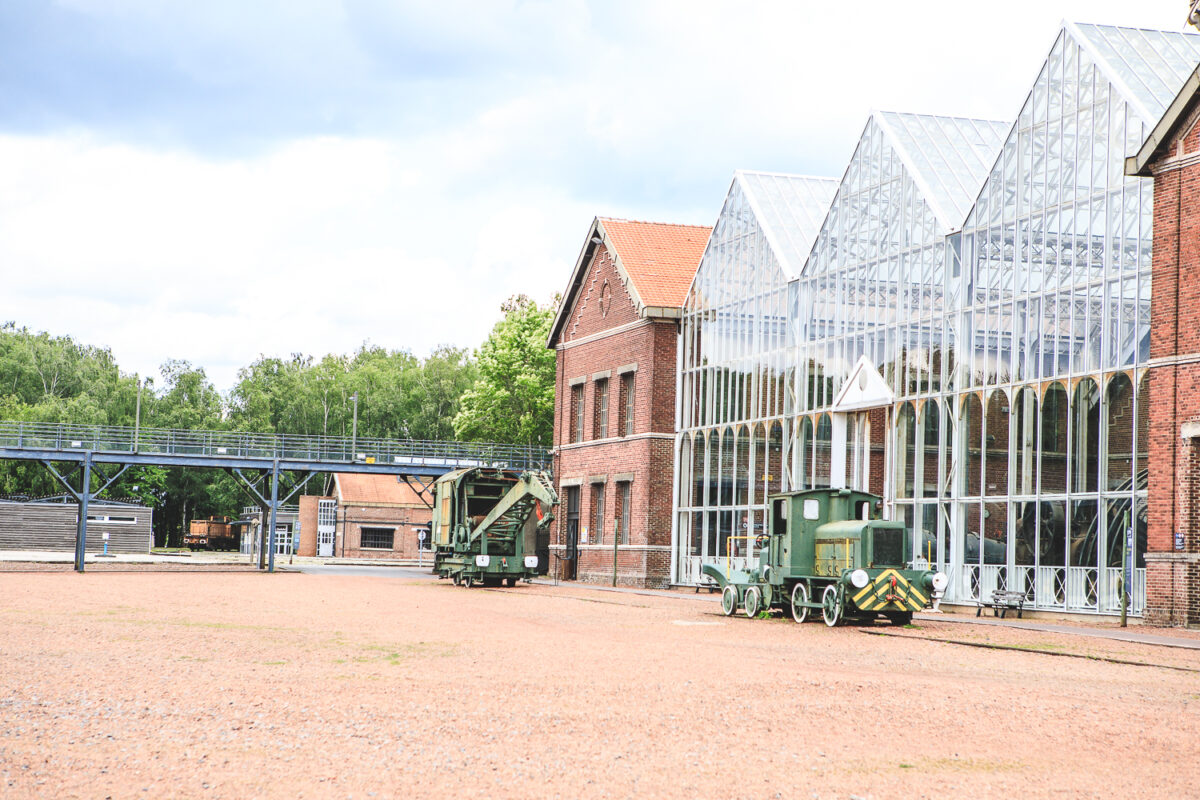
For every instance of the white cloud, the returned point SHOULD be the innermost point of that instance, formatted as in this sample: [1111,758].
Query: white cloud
[410,237]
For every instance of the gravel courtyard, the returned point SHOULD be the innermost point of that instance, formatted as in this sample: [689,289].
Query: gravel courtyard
[233,685]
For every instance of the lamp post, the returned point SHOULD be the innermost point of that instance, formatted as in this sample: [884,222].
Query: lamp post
[137,415]
[354,430]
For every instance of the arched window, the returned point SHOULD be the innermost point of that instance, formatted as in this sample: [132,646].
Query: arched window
[1119,420]
[774,458]
[996,459]
[824,443]
[684,479]
[972,431]
[741,469]
[1053,472]
[933,477]
[1085,437]
[1025,441]
[906,451]
[804,454]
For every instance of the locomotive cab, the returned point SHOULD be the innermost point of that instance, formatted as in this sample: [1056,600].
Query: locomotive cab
[827,550]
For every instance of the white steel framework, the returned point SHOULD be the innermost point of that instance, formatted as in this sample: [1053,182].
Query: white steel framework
[996,278]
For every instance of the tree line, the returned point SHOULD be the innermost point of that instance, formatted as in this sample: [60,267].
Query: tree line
[502,392]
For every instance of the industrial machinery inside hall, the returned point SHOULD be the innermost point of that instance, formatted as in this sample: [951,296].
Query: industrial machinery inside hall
[487,522]
[828,551]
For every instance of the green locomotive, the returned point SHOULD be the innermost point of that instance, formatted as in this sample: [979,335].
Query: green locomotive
[486,524]
[828,550]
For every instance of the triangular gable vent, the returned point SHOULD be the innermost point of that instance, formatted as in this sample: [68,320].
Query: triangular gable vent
[865,388]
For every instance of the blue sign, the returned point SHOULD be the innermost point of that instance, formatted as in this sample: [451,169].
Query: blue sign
[1178,540]
[1129,556]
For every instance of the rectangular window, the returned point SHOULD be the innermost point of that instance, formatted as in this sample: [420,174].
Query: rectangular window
[577,413]
[624,501]
[600,423]
[377,538]
[597,536]
[627,388]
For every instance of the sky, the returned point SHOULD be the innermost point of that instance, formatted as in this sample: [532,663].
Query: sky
[223,180]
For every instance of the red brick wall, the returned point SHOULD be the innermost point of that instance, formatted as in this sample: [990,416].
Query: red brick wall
[651,346]
[586,318]
[351,519]
[307,546]
[1173,576]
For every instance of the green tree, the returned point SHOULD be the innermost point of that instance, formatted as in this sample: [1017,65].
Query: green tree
[513,398]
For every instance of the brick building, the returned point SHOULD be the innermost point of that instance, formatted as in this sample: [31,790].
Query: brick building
[614,418]
[1171,155]
[368,517]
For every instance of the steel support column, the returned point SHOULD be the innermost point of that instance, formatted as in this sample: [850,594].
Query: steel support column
[274,514]
[85,495]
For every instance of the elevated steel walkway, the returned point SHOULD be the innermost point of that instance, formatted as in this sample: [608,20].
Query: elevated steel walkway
[94,449]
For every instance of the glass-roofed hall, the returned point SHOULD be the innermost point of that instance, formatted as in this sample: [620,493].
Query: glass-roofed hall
[959,324]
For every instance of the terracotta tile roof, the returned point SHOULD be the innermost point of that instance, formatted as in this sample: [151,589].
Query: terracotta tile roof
[357,488]
[659,258]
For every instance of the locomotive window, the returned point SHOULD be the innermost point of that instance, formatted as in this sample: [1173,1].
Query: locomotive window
[812,508]
[889,547]
[779,524]
[864,509]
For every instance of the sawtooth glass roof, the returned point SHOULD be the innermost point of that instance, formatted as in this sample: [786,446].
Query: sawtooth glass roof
[790,209]
[948,157]
[1147,67]
[996,276]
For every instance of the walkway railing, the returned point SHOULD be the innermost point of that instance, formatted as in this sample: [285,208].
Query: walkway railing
[236,444]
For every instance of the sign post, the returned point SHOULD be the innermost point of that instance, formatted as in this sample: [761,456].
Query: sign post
[420,547]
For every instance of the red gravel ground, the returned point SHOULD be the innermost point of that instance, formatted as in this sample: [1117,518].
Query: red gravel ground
[242,685]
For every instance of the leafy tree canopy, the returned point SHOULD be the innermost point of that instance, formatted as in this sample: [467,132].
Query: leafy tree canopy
[513,398]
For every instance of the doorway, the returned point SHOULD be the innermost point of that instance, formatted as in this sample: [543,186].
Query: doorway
[570,558]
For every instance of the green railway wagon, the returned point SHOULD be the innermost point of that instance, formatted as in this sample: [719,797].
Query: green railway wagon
[827,550]
[486,522]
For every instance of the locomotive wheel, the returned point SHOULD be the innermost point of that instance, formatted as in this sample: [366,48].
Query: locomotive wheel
[899,617]
[753,602]
[457,578]
[831,609]
[510,582]
[468,581]
[799,598]
[729,600]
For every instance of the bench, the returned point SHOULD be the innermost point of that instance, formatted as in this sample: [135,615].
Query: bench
[1002,602]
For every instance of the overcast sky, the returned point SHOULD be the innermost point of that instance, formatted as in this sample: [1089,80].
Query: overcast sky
[218,180]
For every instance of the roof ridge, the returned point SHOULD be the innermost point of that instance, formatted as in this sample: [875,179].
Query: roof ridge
[784,174]
[651,222]
[1128,27]
[1006,123]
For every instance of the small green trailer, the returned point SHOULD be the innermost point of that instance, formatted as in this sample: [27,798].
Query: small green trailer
[486,522]
[827,550]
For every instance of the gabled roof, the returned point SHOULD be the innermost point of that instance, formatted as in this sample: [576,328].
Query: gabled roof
[353,488]
[947,157]
[789,209]
[1145,67]
[1176,115]
[656,262]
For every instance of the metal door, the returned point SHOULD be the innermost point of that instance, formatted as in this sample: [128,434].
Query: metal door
[326,525]
[570,558]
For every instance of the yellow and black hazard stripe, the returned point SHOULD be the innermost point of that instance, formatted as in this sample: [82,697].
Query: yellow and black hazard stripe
[890,591]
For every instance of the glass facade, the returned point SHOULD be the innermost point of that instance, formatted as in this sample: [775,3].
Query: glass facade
[996,276]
